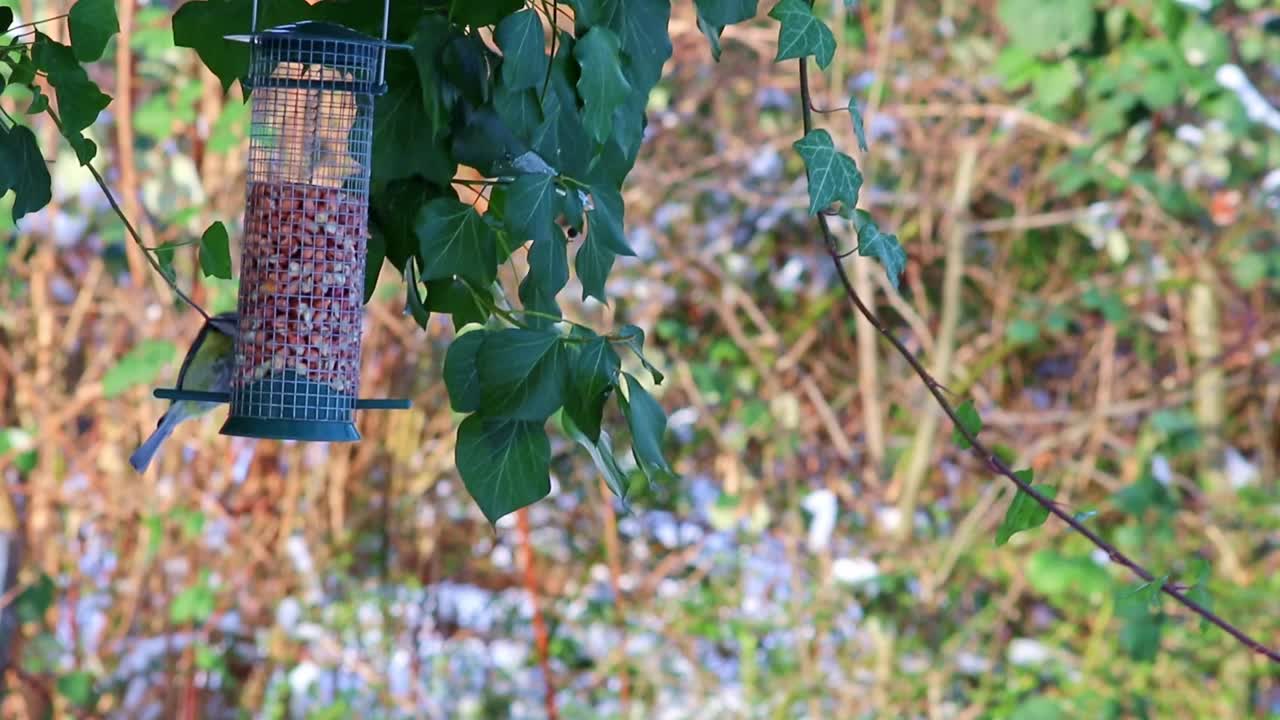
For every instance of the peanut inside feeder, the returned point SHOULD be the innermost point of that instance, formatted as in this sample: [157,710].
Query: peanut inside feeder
[297,357]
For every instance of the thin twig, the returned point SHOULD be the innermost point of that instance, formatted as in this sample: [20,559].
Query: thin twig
[990,458]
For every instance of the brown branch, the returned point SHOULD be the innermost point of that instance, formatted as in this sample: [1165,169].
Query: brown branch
[988,457]
[541,638]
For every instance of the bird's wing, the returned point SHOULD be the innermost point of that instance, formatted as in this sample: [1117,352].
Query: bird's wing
[191,354]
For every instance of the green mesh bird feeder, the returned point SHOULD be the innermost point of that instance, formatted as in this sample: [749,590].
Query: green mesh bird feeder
[296,372]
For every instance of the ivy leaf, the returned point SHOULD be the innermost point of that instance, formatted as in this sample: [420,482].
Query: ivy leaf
[605,220]
[802,33]
[215,252]
[428,41]
[523,42]
[23,170]
[79,98]
[641,26]
[416,306]
[407,139]
[859,131]
[203,25]
[883,247]
[393,213]
[648,424]
[92,23]
[453,297]
[969,420]
[461,372]
[832,174]
[602,84]
[1024,513]
[548,274]
[593,375]
[633,338]
[531,206]
[505,464]
[477,14]
[721,13]
[601,452]
[455,240]
[593,263]
[522,374]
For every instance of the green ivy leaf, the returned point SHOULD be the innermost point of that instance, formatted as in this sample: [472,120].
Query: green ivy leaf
[77,687]
[548,274]
[524,57]
[477,14]
[202,26]
[715,15]
[859,130]
[92,23]
[408,140]
[455,240]
[454,297]
[393,215]
[414,302]
[593,375]
[23,170]
[461,372]
[79,98]
[593,263]
[633,338]
[832,174]
[531,206]
[641,25]
[522,374]
[969,420]
[1024,513]
[648,424]
[215,252]
[140,366]
[601,452]
[802,33]
[35,600]
[605,220]
[504,463]
[883,247]
[602,85]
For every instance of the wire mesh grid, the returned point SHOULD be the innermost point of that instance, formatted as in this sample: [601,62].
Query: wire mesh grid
[306,216]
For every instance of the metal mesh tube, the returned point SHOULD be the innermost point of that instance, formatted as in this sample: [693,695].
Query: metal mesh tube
[306,217]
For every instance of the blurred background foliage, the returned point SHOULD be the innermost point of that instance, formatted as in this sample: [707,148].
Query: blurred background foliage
[1099,178]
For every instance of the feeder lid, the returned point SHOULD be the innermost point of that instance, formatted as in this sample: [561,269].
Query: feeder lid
[316,31]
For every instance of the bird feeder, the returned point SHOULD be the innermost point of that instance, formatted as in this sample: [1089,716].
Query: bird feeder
[296,370]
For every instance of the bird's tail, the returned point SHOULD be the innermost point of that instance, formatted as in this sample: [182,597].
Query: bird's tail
[141,458]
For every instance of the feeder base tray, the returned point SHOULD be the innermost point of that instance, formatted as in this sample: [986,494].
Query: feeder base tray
[305,431]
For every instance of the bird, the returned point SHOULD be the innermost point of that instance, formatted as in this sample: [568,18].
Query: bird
[206,368]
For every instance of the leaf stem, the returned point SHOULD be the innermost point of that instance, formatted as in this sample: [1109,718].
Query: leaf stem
[988,457]
[128,226]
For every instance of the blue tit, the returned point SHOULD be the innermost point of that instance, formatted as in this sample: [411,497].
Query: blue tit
[206,368]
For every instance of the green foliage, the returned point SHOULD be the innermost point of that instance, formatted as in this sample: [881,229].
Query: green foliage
[92,23]
[35,600]
[23,171]
[1039,27]
[832,174]
[1025,512]
[140,366]
[524,60]
[215,252]
[77,688]
[194,604]
[456,240]
[801,33]
[79,99]
[884,247]
[970,421]
[505,463]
